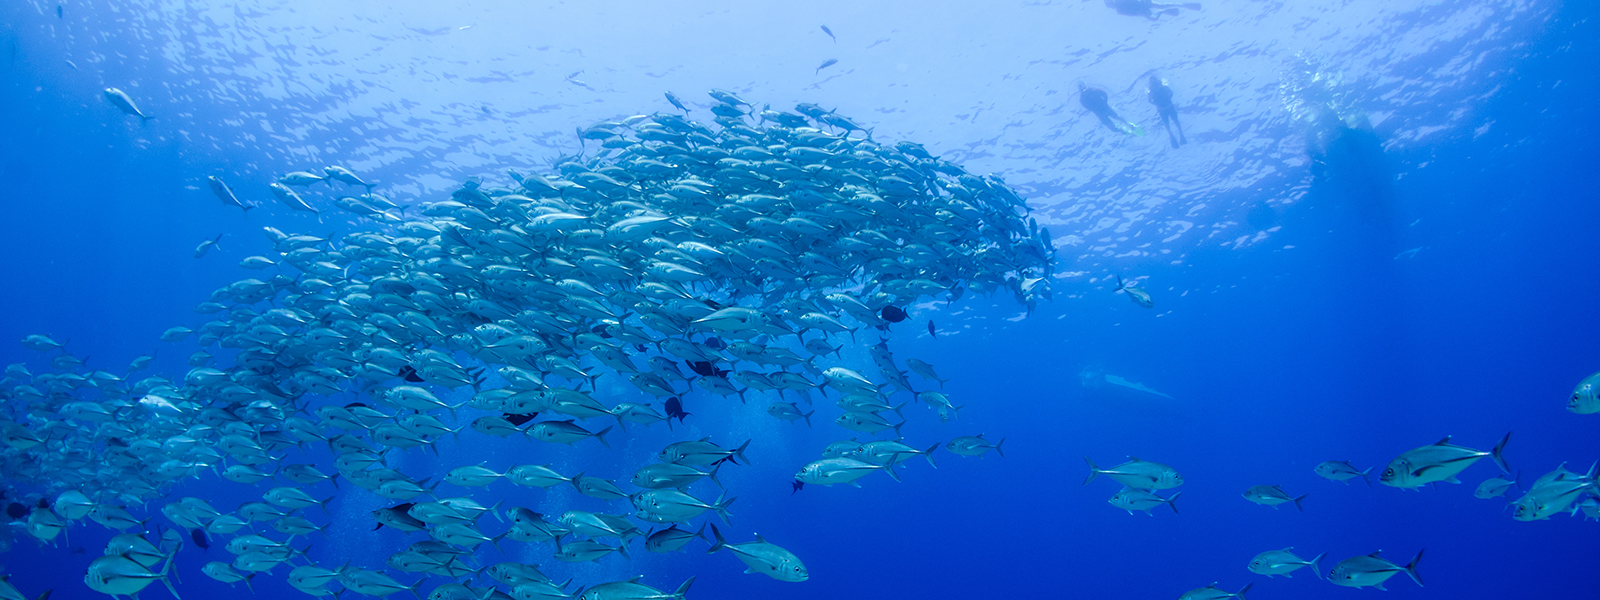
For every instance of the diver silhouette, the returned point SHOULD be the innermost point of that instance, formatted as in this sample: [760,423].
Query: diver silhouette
[1147,8]
[1099,103]
[1161,96]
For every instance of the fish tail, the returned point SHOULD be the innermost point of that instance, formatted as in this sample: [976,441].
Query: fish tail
[416,588]
[713,473]
[601,436]
[808,417]
[1499,458]
[928,454]
[1313,564]
[1366,477]
[683,589]
[1297,502]
[722,508]
[739,452]
[1411,567]
[721,542]
[1173,503]
[895,475]
[1094,469]
[1244,589]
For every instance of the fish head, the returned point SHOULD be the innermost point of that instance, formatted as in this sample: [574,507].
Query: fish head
[1397,474]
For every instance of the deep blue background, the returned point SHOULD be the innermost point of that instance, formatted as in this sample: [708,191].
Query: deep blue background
[1277,359]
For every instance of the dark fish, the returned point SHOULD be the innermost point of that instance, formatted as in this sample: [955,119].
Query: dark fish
[893,314]
[931,332]
[355,404]
[798,485]
[58,11]
[518,420]
[827,63]
[16,510]
[44,503]
[199,537]
[715,343]
[702,368]
[675,409]
[111,441]
[830,34]
[410,374]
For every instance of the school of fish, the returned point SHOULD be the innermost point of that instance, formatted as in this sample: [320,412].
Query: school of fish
[676,263]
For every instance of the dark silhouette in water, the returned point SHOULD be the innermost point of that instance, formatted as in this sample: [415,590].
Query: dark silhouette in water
[518,420]
[931,332]
[1147,8]
[199,537]
[1099,103]
[1161,96]
[893,314]
[674,408]
[17,510]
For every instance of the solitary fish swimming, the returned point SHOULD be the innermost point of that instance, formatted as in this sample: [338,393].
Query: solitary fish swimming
[120,99]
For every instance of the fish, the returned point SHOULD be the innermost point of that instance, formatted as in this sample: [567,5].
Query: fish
[1372,570]
[827,63]
[206,246]
[224,193]
[1212,592]
[1586,396]
[975,445]
[1137,474]
[830,34]
[893,314]
[763,557]
[1283,562]
[1132,499]
[1495,487]
[1440,461]
[673,244]
[1135,293]
[931,332]
[1341,471]
[633,590]
[124,103]
[1272,495]
[1554,493]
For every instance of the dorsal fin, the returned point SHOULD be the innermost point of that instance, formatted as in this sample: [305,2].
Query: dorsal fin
[1375,553]
[760,540]
[1443,442]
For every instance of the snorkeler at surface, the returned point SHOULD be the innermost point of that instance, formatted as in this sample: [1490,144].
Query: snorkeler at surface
[1099,103]
[1147,8]
[1161,96]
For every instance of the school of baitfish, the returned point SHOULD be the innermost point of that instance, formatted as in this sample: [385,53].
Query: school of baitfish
[683,259]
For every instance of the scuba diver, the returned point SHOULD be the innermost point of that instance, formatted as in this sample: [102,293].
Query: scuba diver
[1099,103]
[1161,96]
[1147,8]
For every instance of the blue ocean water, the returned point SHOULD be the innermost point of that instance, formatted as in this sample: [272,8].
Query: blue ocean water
[1422,269]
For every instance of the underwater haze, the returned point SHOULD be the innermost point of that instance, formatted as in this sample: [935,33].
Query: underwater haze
[1090,298]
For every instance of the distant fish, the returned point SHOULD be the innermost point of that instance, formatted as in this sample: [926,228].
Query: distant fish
[199,538]
[1212,592]
[830,34]
[120,99]
[893,314]
[206,246]
[931,330]
[673,98]
[225,194]
[1283,562]
[1494,487]
[1135,293]
[827,63]
[1341,471]
[1272,495]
